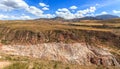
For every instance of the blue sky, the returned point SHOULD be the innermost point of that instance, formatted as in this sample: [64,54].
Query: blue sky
[68,9]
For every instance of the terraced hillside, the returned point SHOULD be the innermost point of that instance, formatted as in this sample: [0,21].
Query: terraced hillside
[82,43]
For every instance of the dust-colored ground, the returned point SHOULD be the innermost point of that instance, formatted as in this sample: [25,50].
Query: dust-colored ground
[4,64]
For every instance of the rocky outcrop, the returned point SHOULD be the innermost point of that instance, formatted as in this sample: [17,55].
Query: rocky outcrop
[74,53]
[11,36]
[69,46]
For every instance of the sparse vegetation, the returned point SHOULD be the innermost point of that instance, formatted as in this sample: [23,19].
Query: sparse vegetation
[5,42]
[35,63]
[38,26]
[18,65]
[87,32]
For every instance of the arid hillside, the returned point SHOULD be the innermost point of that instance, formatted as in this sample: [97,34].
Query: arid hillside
[86,42]
[42,31]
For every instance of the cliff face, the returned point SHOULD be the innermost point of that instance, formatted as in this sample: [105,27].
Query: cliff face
[69,53]
[11,36]
[72,46]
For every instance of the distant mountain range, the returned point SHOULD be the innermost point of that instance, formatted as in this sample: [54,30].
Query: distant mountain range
[100,17]
[104,17]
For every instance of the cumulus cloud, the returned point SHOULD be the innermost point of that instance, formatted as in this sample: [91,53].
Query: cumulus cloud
[48,16]
[43,5]
[39,13]
[88,11]
[3,16]
[104,12]
[25,17]
[22,17]
[65,13]
[34,10]
[12,4]
[92,9]
[73,7]
[63,10]
[116,11]
[19,4]
[45,8]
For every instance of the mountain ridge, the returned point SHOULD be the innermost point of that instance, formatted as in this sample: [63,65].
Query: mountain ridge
[98,17]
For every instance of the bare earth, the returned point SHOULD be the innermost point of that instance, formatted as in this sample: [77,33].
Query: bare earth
[4,64]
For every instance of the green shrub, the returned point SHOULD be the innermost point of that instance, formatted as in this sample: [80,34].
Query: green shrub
[5,42]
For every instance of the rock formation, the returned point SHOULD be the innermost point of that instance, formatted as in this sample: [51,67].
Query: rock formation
[69,53]
[69,46]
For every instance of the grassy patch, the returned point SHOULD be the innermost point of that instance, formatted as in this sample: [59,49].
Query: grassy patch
[38,26]
[5,42]
[13,58]
[18,65]
[34,63]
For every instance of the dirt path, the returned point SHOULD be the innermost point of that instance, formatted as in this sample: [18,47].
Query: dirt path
[4,64]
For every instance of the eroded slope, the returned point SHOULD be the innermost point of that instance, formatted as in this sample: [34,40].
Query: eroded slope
[61,42]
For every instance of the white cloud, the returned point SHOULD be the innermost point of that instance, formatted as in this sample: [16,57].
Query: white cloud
[63,10]
[65,13]
[88,10]
[39,13]
[25,17]
[92,9]
[22,17]
[11,5]
[3,16]
[116,11]
[45,8]
[8,5]
[43,5]
[48,16]
[104,12]
[19,4]
[35,11]
[73,7]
